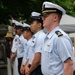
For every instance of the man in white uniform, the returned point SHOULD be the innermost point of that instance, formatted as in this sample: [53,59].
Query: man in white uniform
[27,34]
[18,27]
[33,66]
[57,49]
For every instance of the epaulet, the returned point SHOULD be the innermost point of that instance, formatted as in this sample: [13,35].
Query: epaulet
[59,33]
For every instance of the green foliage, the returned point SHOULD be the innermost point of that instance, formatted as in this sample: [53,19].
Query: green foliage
[67,5]
[21,9]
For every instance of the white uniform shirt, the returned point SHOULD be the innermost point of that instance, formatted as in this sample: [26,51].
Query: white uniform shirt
[15,43]
[35,45]
[56,49]
[25,57]
[21,46]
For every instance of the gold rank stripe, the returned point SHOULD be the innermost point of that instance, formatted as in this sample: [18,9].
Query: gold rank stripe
[49,11]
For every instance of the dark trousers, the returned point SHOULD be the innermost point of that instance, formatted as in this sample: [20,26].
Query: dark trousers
[19,65]
[37,71]
[74,72]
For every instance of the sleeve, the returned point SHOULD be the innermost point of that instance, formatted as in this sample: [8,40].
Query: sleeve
[64,48]
[38,46]
[15,44]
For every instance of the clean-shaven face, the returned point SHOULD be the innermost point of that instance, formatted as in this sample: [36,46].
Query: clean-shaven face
[25,33]
[48,20]
[34,26]
[18,31]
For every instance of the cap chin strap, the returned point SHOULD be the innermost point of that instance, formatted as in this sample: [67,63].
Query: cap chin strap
[52,10]
[48,11]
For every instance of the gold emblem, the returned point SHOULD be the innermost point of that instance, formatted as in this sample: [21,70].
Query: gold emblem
[43,6]
[59,33]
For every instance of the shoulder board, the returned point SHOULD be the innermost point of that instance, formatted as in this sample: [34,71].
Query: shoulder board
[59,33]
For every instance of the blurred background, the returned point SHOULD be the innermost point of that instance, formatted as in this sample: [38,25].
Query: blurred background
[20,10]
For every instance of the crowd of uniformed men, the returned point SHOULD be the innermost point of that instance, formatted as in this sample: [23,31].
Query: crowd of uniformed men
[35,52]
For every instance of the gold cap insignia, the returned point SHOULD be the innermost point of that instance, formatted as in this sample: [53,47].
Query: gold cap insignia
[43,7]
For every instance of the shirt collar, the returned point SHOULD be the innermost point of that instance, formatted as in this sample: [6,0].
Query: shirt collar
[52,32]
[35,35]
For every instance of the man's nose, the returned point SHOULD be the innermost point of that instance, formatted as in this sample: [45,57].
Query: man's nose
[43,18]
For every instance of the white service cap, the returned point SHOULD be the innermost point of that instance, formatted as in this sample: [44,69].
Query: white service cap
[26,25]
[49,7]
[16,23]
[35,15]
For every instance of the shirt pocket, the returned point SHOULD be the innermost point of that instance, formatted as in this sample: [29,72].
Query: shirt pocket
[48,48]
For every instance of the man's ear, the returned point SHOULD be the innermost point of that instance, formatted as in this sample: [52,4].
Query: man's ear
[55,18]
[39,25]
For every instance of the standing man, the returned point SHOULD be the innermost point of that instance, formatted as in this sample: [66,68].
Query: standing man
[27,34]
[33,66]
[57,50]
[18,31]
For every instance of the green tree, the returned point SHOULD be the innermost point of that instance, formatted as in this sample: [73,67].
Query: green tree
[21,9]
